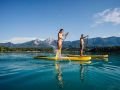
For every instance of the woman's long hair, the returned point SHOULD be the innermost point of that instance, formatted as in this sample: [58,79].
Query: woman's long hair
[61,30]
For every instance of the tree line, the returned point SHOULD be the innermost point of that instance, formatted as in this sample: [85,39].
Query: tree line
[50,49]
[20,49]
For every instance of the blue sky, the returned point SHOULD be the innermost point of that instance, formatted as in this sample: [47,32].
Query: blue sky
[22,20]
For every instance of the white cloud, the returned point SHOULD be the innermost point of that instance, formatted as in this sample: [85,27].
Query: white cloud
[107,16]
[21,39]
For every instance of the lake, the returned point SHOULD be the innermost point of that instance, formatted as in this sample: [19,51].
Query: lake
[19,71]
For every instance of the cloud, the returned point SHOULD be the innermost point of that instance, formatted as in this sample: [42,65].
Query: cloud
[21,39]
[107,16]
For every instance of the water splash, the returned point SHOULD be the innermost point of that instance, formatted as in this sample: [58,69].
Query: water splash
[50,41]
[55,50]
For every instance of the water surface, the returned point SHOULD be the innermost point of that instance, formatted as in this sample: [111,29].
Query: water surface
[19,71]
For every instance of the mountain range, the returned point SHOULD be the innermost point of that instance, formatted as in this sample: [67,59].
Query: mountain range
[91,42]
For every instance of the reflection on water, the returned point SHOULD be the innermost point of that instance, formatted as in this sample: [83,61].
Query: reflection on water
[82,72]
[82,69]
[22,72]
[59,75]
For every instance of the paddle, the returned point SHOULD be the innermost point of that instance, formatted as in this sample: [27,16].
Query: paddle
[65,36]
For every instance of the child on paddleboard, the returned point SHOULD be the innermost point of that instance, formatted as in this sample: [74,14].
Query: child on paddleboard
[82,44]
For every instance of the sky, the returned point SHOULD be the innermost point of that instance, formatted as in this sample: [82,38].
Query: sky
[25,20]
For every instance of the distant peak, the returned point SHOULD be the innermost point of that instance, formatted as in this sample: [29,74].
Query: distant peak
[36,41]
[9,42]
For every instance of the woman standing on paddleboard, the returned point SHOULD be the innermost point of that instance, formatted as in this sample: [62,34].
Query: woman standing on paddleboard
[59,42]
[82,44]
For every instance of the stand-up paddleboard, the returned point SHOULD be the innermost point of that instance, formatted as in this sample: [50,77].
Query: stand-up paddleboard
[92,56]
[80,58]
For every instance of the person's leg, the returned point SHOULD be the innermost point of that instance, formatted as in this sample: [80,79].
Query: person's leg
[60,49]
[81,50]
[58,45]
[58,54]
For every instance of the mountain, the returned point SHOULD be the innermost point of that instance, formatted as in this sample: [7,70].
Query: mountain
[98,41]
[8,44]
[109,41]
[33,43]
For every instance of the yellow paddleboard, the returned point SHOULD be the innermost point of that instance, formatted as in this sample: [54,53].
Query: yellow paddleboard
[92,56]
[80,58]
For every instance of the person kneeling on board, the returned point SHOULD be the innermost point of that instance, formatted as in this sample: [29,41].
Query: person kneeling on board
[82,44]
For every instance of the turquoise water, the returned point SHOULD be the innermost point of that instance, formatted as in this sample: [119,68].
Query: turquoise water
[19,71]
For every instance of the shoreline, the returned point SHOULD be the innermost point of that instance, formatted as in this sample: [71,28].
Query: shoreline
[51,50]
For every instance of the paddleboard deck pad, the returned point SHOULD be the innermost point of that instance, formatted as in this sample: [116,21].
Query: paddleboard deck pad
[92,56]
[80,58]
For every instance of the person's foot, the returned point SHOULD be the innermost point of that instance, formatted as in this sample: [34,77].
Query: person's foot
[81,55]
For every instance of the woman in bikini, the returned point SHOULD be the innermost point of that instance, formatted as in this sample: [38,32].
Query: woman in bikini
[59,42]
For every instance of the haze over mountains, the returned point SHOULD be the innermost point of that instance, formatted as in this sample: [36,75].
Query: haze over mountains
[98,41]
